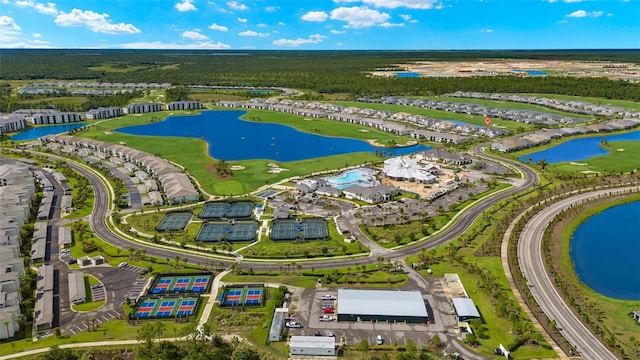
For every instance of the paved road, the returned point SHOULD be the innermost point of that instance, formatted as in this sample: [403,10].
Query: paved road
[101,211]
[532,265]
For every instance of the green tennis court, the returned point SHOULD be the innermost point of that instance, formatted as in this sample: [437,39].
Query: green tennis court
[229,210]
[166,307]
[225,231]
[174,221]
[306,229]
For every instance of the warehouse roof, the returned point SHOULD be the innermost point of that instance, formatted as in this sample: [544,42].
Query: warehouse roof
[465,307]
[381,302]
[321,342]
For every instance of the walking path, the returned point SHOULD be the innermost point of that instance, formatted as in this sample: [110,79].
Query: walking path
[211,300]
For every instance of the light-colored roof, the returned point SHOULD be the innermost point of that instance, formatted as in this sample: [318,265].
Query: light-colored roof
[381,302]
[64,236]
[45,278]
[76,286]
[321,342]
[44,308]
[465,307]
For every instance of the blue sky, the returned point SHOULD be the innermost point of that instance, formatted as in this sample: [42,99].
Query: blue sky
[321,24]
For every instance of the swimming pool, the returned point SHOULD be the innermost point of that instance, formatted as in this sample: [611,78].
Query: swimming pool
[362,176]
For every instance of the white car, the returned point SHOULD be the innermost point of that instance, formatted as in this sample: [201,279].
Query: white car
[379,340]
[328,297]
[122,264]
[293,325]
[326,318]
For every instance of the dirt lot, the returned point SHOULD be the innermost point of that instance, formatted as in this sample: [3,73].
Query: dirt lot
[501,67]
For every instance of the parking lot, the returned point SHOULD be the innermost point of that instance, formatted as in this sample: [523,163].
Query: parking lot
[311,305]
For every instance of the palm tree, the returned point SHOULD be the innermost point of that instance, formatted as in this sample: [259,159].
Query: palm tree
[6,324]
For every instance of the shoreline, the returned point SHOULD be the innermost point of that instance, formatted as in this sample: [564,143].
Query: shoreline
[377,144]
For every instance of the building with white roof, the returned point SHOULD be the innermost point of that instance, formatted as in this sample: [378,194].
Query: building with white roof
[381,305]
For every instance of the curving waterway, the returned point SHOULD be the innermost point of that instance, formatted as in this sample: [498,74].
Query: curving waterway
[231,138]
[605,251]
[578,149]
[40,131]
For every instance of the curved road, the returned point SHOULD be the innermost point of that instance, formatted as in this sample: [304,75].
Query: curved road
[101,213]
[532,265]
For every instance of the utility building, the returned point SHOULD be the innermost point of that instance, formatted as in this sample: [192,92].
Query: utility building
[465,309]
[312,346]
[381,305]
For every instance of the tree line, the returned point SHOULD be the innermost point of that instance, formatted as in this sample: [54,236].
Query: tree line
[324,72]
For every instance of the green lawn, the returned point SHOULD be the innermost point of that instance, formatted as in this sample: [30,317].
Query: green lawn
[89,304]
[498,328]
[623,156]
[110,330]
[191,152]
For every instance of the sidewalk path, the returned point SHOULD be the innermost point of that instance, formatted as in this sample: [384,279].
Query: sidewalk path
[212,299]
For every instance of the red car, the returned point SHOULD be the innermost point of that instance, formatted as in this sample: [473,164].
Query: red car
[328,310]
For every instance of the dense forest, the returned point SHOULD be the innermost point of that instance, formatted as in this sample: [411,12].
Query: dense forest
[326,72]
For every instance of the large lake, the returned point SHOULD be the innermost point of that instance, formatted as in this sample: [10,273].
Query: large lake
[40,131]
[578,149]
[233,139]
[605,251]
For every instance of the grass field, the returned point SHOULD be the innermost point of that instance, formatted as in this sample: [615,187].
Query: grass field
[623,156]
[191,153]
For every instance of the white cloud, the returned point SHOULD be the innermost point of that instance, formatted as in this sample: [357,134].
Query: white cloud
[333,31]
[217,27]
[36,35]
[186,5]
[160,45]
[48,8]
[94,21]
[582,14]
[281,23]
[253,33]
[312,39]
[194,35]
[359,16]
[271,9]
[236,5]
[243,20]
[486,30]
[572,1]
[405,17]
[392,4]
[317,16]
[261,25]
[8,24]
[391,25]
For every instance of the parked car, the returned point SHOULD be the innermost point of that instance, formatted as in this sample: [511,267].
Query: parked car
[331,334]
[328,297]
[122,264]
[318,333]
[327,306]
[96,286]
[328,310]
[379,340]
[326,318]
[293,325]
